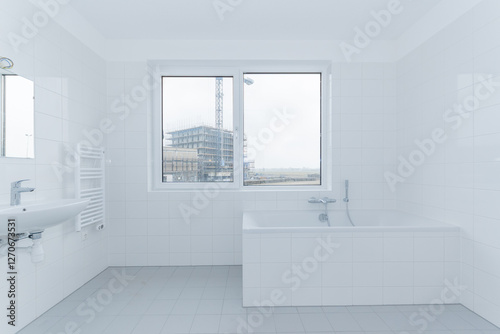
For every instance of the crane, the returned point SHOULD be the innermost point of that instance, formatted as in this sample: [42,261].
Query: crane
[219,123]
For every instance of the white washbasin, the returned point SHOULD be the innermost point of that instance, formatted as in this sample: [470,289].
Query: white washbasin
[38,216]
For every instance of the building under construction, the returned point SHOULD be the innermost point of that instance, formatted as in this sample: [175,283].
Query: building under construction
[198,154]
[180,164]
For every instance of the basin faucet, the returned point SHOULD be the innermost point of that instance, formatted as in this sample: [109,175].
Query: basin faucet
[16,190]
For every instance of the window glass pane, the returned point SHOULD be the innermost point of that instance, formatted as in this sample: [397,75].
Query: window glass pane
[197,129]
[282,129]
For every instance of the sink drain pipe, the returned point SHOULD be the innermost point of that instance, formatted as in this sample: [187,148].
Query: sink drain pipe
[36,249]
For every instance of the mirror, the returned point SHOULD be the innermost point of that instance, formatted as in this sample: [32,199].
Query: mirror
[16,116]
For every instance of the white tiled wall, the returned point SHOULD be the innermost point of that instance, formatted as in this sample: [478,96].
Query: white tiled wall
[147,227]
[459,183]
[70,97]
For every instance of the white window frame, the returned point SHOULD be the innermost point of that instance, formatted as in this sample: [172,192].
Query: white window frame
[235,69]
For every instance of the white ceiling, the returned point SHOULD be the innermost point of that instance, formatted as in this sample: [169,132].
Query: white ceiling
[250,20]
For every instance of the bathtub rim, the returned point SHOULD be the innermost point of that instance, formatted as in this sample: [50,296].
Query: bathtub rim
[248,227]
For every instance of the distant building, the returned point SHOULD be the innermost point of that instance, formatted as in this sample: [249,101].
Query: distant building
[204,142]
[248,164]
[180,164]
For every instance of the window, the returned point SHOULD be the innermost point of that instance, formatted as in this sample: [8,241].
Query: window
[238,127]
[197,122]
[282,129]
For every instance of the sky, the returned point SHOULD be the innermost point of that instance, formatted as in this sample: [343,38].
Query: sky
[296,141]
[293,143]
[189,102]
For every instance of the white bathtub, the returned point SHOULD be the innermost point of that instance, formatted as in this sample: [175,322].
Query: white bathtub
[388,258]
[364,221]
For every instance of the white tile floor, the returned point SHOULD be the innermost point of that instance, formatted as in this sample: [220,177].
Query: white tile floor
[208,300]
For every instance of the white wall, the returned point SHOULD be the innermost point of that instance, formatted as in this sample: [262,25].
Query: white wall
[459,182]
[139,50]
[70,97]
[146,228]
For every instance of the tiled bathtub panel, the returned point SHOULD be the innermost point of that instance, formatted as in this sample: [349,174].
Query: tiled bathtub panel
[314,274]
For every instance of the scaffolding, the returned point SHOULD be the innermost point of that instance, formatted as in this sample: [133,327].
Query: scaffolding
[180,164]
[210,145]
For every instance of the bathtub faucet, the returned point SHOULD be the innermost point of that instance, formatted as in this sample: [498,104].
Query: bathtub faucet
[325,200]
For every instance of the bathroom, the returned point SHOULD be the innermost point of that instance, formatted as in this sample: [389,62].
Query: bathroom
[352,184]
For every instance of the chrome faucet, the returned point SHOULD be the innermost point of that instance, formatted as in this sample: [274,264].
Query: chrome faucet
[16,190]
[323,217]
[324,200]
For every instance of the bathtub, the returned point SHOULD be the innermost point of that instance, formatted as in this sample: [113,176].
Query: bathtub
[388,258]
